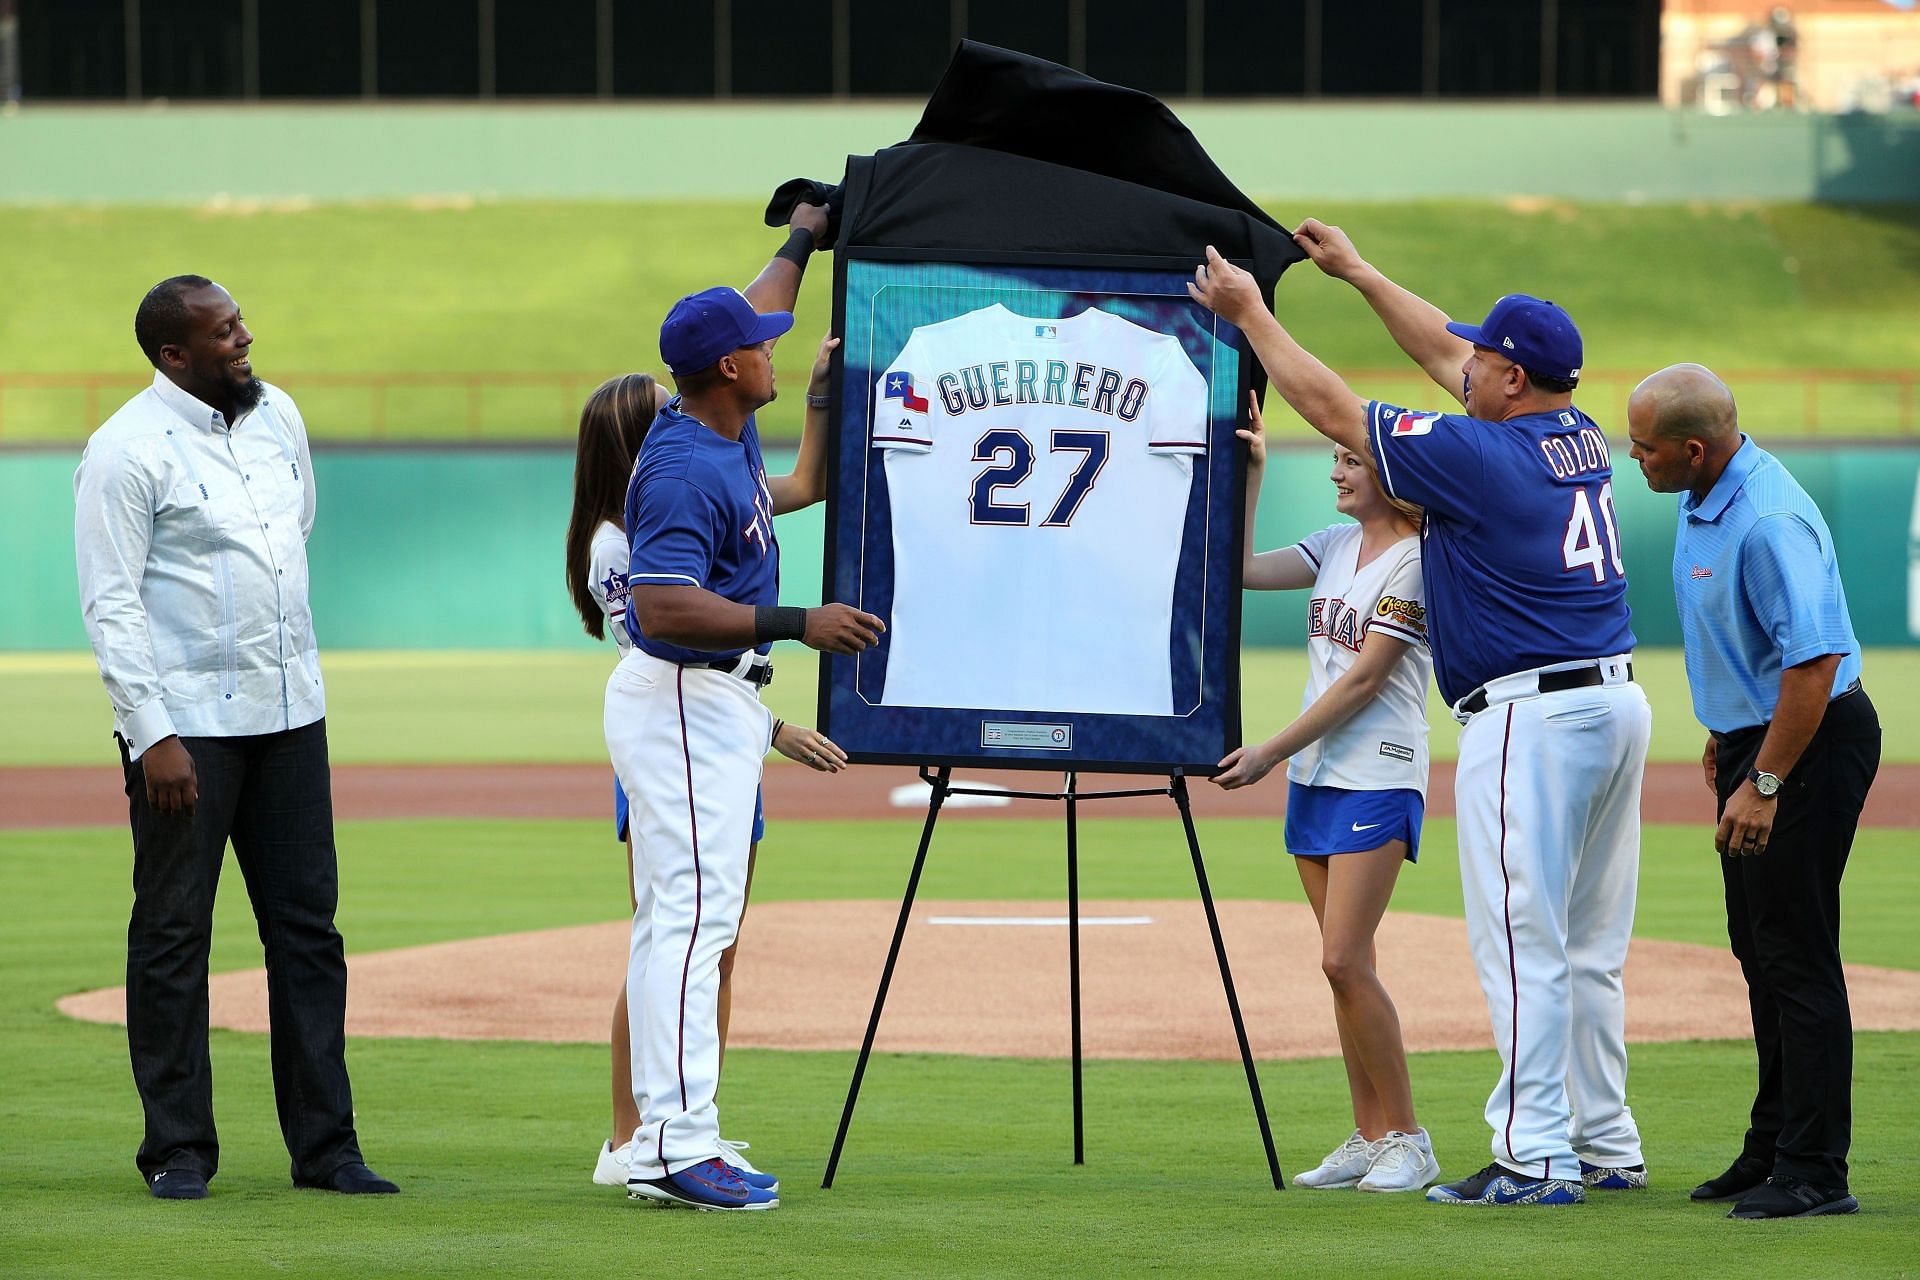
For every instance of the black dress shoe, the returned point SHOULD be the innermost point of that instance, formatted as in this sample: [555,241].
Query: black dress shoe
[177,1184]
[1785,1196]
[1742,1176]
[353,1180]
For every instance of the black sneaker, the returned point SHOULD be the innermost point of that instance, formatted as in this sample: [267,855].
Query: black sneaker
[1785,1196]
[1742,1176]
[177,1184]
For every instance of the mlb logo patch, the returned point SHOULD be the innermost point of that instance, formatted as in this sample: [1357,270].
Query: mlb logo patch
[900,387]
[1568,420]
[1414,424]
[1046,331]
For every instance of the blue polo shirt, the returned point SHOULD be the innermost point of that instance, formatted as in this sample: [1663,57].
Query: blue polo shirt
[699,515]
[1758,590]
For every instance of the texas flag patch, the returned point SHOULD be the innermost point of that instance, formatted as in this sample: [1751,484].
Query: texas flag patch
[1414,424]
[900,387]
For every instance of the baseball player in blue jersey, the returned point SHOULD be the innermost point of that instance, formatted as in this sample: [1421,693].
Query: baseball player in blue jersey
[686,729]
[612,424]
[1529,630]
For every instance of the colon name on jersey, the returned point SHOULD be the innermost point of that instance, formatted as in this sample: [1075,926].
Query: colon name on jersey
[1038,472]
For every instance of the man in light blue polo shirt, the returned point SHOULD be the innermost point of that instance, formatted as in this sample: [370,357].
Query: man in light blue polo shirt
[1793,746]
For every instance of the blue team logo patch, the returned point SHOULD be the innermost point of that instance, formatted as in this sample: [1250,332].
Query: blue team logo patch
[1414,424]
[615,589]
[900,387]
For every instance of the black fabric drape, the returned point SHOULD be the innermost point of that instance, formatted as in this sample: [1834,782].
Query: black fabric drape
[1015,154]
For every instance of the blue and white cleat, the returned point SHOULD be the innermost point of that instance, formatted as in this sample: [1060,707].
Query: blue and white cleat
[712,1185]
[730,1152]
[1497,1184]
[1596,1177]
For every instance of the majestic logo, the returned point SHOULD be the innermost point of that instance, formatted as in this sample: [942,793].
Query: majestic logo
[1414,424]
[1701,571]
[900,387]
[1394,751]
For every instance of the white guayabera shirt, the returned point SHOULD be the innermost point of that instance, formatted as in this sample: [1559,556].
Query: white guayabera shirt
[190,534]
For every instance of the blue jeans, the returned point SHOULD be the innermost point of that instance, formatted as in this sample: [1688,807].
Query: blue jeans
[271,795]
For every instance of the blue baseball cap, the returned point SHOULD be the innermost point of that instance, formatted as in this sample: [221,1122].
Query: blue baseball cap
[704,326]
[1533,333]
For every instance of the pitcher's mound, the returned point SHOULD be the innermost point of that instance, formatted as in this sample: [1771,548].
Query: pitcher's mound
[991,978]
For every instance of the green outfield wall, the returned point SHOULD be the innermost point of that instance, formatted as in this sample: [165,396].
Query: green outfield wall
[462,548]
[1273,150]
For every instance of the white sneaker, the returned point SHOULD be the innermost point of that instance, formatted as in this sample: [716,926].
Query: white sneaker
[610,1170]
[1401,1162]
[1344,1166]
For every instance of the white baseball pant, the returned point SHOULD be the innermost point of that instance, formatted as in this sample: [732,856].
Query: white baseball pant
[689,744]
[1548,797]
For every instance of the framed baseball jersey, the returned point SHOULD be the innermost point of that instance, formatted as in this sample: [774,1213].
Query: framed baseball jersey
[1034,480]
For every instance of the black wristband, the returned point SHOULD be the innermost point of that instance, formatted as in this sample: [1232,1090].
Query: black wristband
[798,248]
[778,622]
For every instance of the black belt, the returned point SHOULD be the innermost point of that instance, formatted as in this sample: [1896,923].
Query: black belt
[759,674]
[1550,682]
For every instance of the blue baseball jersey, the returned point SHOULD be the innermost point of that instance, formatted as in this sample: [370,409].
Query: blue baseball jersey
[1520,549]
[699,514]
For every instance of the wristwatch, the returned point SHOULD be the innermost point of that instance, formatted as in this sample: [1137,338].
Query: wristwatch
[1767,784]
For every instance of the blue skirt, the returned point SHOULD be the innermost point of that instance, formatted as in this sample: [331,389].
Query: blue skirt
[1328,820]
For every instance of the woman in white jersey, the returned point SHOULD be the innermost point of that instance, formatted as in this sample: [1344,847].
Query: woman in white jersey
[612,424]
[1357,787]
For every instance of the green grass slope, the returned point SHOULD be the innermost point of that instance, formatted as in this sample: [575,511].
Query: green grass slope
[954,1166]
[432,286]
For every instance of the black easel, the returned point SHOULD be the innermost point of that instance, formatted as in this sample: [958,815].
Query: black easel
[1176,788]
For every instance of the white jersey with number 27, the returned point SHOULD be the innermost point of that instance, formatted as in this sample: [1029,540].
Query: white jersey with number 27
[1038,472]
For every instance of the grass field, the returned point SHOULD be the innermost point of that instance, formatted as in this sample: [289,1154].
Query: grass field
[954,1167]
[420,707]
[579,287]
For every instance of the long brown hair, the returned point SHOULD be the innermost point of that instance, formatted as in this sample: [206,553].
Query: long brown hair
[613,422]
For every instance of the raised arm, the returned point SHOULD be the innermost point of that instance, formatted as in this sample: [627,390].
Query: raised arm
[778,284]
[1315,391]
[1419,327]
[1281,570]
[806,484]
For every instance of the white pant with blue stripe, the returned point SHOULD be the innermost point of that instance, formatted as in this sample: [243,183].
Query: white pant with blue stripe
[689,744]
[1548,796]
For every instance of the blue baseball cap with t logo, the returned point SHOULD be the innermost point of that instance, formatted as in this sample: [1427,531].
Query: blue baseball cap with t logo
[1533,333]
[704,326]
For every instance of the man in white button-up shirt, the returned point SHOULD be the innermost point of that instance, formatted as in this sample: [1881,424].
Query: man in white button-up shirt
[192,509]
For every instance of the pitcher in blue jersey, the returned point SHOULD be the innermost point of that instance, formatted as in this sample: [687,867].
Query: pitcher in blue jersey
[1528,622]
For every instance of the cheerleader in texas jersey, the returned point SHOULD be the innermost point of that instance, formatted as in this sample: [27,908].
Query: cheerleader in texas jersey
[612,424]
[1357,785]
